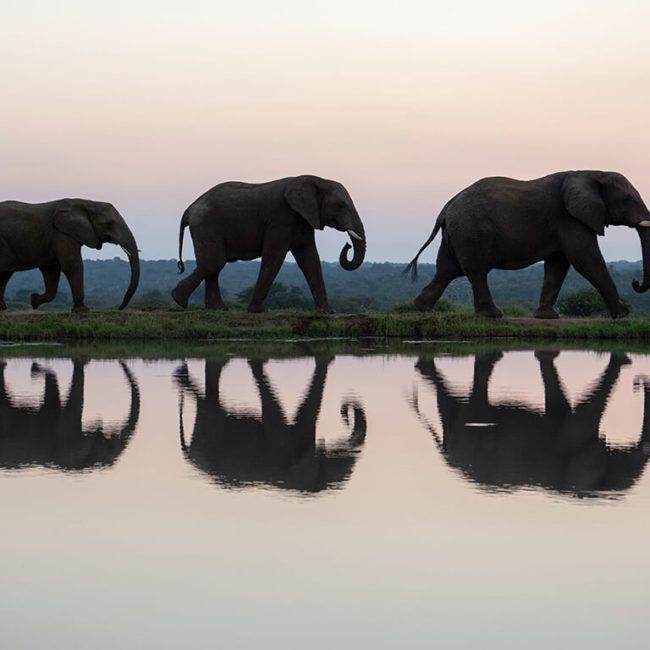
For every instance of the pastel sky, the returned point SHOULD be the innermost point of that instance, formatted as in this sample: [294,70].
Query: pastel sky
[147,104]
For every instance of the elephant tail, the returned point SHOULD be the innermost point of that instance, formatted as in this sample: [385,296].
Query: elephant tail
[413,264]
[181,233]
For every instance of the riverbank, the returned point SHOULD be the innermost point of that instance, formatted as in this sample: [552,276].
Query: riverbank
[201,325]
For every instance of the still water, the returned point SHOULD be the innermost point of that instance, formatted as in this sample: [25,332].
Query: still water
[324,496]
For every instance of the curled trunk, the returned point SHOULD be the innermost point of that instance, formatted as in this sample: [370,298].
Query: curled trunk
[359,246]
[644,236]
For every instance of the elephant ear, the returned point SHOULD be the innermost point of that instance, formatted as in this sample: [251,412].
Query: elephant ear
[302,195]
[73,220]
[584,201]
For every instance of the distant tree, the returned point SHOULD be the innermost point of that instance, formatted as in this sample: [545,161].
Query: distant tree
[586,302]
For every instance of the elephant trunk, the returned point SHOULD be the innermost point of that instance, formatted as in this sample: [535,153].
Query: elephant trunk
[644,236]
[358,236]
[127,242]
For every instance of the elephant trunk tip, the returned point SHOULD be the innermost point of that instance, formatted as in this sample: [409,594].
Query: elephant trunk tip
[640,287]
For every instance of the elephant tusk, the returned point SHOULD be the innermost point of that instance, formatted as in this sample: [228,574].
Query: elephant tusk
[355,236]
[127,252]
[644,224]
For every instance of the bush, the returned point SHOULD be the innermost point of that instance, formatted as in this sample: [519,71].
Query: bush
[516,309]
[280,296]
[586,302]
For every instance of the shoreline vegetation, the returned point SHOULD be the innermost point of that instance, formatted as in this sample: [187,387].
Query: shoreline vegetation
[198,325]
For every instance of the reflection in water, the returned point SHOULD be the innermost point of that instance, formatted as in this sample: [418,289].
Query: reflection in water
[52,434]
[243,449]
[558,449]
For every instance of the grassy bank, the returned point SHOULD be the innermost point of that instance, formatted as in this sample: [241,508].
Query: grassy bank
[197,325]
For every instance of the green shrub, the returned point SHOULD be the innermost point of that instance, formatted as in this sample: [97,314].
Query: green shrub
[586,302]
[516,309]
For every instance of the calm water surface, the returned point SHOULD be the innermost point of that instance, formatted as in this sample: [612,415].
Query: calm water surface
[319,497]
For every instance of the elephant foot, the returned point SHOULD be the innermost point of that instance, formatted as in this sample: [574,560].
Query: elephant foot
[3,305]
[181,302]
[620,311]
[325,309]
[421,304]
[80,309]
[546,312]
[218,307]
[489,312]
[256,309]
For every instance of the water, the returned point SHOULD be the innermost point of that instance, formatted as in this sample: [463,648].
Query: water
[319,496]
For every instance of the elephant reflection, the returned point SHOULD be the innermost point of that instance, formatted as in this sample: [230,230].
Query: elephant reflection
[245,449]
[52,434]
[558,449]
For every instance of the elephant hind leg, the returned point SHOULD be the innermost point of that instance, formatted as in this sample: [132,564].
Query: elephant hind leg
[51,276]
[555,270]
[213,299]
[183,290]
[483,303]
[447,269]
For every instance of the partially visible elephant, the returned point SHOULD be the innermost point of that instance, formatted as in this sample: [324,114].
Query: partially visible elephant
[242,221]
[52,434]
[239,450]
[49,236]
[502,223]
[509,445]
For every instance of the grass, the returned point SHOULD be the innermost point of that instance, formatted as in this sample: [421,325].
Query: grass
[200,325]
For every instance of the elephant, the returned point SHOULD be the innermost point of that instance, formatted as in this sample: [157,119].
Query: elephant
[52,435]
[239,450]
[505,446]
[242,221]
[49,236]
[503,223]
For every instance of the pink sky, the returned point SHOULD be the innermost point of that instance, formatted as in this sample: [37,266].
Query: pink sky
[147,104]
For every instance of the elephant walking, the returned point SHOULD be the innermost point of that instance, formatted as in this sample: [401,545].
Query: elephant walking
[52,435]
[242,449]
[242,221]
[49,236]
[502,223]
[558,449]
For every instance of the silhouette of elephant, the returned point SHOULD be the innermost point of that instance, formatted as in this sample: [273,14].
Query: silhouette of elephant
[239,450]
[52,434]
[558,449]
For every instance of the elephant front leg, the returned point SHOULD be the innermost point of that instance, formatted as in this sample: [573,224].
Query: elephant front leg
[271,263]
[589,262]
[73,269]
[555,270]
[4,278]
[309,262]
[51,275]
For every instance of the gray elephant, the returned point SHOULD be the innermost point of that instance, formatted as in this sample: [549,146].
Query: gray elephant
[49,236]
[559,449]
[502,223]
[242,221]
[52,434]
[239,449]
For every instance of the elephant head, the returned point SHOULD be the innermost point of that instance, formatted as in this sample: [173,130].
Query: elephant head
[327,203]
[600,199]
[93,223]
